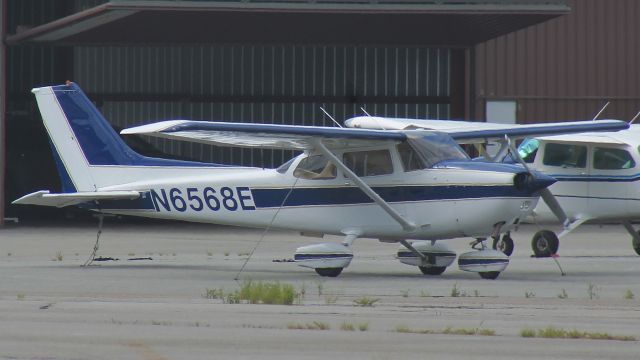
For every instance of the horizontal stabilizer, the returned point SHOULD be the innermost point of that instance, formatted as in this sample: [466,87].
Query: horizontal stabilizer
[44,198]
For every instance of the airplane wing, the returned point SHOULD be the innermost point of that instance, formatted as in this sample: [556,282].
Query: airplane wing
[466,132]
[264,135]
[44,198]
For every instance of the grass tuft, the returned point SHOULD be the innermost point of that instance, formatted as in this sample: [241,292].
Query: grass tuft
[628,295]
[366,301]
[447,331]
[528,333]
[563,294]
[257,292]
[316,325]
[551,332]
[346,326]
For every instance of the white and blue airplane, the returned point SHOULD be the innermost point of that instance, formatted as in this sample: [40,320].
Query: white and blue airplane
[598,176]
[412,187]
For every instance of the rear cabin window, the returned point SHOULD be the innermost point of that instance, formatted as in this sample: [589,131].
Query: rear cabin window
[369,163]
[315,167]
[612,159]
[565,155]
[410,158]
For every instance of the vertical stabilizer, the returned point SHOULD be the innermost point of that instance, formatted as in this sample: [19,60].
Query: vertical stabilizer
[86,148]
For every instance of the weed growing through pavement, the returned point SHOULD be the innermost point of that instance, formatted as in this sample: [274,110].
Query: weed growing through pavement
[59,256]
[21,297]
[320,286]
[404,293]
[455,292]
[628,295]
[257,292]
[551,332]
[347,326]
[330,299]
[447,331]
[365,301]
[563,294]
[529,294]
[592,291]
[316,325]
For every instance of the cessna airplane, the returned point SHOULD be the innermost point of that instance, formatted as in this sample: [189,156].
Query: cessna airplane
[598,176]
[411,187]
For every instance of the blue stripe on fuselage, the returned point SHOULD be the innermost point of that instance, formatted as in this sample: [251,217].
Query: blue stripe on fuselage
[597,178]
[269,198]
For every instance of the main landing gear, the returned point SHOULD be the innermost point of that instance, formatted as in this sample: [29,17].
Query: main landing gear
[545,243]
[431,257]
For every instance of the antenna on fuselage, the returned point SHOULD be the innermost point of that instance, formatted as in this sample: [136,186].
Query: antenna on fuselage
[330,117]
[364,111]
[601,110]
[634,118]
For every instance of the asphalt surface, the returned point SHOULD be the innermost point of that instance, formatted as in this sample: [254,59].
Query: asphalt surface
[153,308]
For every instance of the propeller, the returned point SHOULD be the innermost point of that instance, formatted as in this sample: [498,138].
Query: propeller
[545,193]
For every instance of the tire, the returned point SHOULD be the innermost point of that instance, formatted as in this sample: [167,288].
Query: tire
[432,270]
[505,244]
[636,245]
[489,275]
[545,243]
[329,272]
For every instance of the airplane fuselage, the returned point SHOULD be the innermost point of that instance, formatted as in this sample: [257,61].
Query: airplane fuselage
[444,202]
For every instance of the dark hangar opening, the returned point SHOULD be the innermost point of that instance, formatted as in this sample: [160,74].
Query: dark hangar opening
[254,61]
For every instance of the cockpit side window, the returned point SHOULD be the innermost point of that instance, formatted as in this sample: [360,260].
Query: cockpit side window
[410,159]
[315,167]
[528,149]
[565,155]
[369,163]
[612,159]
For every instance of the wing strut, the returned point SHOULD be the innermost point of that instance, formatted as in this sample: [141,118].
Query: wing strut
[406,225]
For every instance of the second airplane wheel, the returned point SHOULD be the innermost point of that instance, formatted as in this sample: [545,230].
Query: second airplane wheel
[545,243]
[432,270]
[636,245]
[329,272]
[505,245]
[489,275]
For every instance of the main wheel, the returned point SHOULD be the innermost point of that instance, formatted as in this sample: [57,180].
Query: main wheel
[545,243]
[489,275]
[432,270]
[505,244]
[329,272]
[636,245]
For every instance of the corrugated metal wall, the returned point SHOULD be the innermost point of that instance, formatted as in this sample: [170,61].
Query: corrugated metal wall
[566,68]
[282,84]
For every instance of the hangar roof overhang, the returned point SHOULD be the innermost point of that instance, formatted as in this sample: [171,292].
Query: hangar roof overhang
[454,23]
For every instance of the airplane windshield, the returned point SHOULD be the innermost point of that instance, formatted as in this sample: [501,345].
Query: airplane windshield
[436,147]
